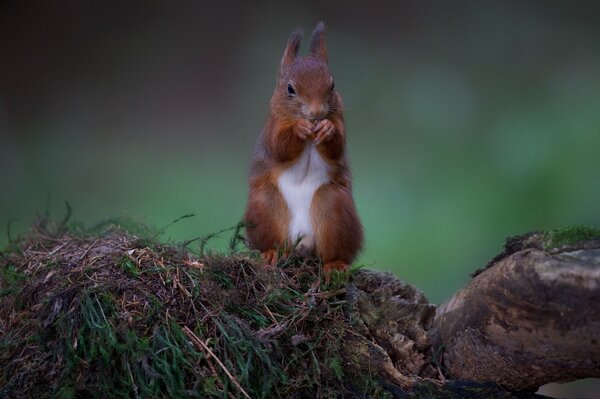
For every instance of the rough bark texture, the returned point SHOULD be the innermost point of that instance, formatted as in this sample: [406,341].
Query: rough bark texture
[531,318]
[397,316]
[391,339]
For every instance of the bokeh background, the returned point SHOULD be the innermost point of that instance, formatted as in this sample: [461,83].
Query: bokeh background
[468,121]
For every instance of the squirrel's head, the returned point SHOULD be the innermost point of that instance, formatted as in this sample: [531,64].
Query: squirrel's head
[305,88]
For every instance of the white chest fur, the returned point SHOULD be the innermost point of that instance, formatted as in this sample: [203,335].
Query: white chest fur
[298,185]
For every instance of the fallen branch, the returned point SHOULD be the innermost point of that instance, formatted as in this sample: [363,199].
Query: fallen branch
[531,318]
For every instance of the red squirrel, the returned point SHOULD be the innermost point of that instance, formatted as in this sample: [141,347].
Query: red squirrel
[300,192]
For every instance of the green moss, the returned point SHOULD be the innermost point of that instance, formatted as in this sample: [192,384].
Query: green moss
[339,279]
[369,386]
[222,279]
[11,280]
[253,316]
[569,236]
[257,369]
[124,363]
[335,364]
[129,267]
[65,392]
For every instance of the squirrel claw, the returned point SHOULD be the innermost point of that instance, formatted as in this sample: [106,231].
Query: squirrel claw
[329,267]
[271,257]
[324,131]
[304,129]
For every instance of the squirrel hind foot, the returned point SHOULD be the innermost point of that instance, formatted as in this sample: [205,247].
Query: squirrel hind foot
[337,265]
[271,257]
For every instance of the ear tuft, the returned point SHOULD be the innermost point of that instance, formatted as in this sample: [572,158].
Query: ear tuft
[291,50]
[317,43]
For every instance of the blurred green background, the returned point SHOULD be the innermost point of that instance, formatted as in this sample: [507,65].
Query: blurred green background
[467,121]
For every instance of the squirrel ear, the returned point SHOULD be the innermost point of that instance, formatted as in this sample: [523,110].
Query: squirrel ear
[317,43]
[291,50]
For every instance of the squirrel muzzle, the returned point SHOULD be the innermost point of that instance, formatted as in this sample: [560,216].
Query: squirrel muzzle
[316,111]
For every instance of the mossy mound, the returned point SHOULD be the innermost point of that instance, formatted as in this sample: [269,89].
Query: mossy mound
[105,313]
[116,315]
[570,236]
[563,239]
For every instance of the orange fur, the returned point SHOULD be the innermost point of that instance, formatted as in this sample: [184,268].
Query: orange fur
[266,215]
[304,107]
[337,227]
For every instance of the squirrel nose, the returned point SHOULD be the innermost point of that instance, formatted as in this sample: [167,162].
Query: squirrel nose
[317,111]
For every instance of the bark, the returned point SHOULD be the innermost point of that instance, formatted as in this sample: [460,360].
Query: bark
[391,341]
[531,318]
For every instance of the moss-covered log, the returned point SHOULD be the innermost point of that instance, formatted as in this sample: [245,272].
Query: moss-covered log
[107,313]
[532,317]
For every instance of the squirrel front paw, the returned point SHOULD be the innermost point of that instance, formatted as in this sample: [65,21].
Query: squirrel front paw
[324,131]
[303,129]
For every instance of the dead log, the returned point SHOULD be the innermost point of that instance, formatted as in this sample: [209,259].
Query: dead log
[532,317]
[390,339]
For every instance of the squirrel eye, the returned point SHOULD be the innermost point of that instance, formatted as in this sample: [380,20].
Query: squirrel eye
[291,90]
[332,85]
